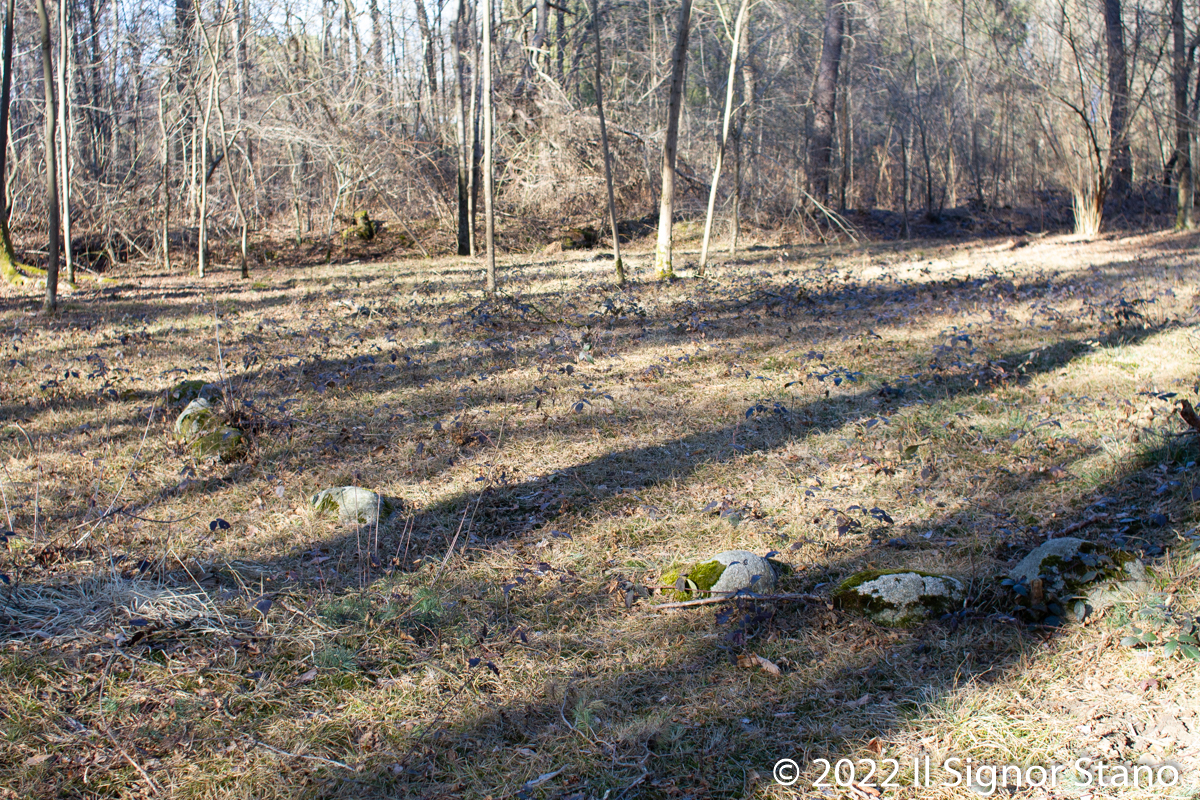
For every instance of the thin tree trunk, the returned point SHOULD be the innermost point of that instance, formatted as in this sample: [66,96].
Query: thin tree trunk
[489,210]
[904,140]
[739,138]
[734,51]
[463,157]
[475,156]
[202,169]
[64,22]
[10,268]
[1121,171]
[666,208]
[536,56]
[608,182]
[825,99]
[430,60]
[1180,67]
[165,163]
[51,147]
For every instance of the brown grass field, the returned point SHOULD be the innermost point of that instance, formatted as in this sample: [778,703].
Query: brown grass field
[497,637]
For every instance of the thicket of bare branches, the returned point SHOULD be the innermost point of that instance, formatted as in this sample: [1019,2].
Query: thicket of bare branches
[199,119]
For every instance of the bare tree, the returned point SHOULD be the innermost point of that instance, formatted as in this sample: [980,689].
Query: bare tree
[825,99]
[1120,164]
[666,210]
[10,269]
[734,50]
[51,148]
[618,265]
[489,112]
[1180,67]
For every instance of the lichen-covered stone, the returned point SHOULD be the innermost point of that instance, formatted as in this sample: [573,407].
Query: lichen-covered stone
[195,419]
[899,598]
[1066,565]
[725,573]
[186,391]
[224,442]
[353,504]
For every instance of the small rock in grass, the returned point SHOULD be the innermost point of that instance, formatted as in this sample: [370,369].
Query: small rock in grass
[725,573]
[900,598]
[1066,564]
[354,505]
[186,391]
[224,442]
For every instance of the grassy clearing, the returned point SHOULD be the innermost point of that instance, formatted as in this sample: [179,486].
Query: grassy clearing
[556,450]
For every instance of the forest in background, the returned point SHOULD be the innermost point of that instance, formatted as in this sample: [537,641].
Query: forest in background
[195,121]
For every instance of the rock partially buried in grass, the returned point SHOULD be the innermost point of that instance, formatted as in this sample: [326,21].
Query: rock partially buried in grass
[195,419]
[899,598]
[723,574]
[1065,565]
[225,443]
[186,391]
[354,505]
[199,427]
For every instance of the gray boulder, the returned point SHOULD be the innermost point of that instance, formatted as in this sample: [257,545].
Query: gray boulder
[900,598]
[354,505]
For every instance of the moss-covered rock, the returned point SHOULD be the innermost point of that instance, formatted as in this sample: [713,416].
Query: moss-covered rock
[201,429]
[224,442]
[899,598]
[1066,566]
[186,391]
[725,573]
[196,419]
[354,505]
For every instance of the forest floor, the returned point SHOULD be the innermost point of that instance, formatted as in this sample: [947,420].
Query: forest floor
[181,627]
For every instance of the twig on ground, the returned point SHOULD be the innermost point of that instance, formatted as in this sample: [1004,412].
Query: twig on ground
[1083,523]
[707,601]
[319,759]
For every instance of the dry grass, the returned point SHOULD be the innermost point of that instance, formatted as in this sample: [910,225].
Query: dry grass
[482,638]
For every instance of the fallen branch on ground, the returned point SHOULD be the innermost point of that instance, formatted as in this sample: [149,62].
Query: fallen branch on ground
[805,598]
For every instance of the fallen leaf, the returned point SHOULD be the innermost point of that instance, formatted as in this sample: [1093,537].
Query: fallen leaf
[768,666]
[860,702]
[307,677]
[875,746]
[33,761]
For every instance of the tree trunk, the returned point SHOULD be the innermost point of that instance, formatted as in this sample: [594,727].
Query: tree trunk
[203,176]
[1120,164]
[165,166]
[739,138]
[51,148]
[463,156]
[540,31]
[1180,67]
[666,208]
[734,50]
[64,126]
[825,100]
[608,182]
[10,268]
[489,210]
[430,60]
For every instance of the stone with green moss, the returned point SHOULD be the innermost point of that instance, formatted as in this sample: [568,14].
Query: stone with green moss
[1066,566]
[196,419]
[186,391]
[354,505]
[899,598]
[723,574]
[225,443]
